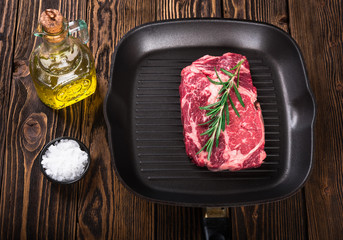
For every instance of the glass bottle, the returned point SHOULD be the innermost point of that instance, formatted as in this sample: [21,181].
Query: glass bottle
[62,67]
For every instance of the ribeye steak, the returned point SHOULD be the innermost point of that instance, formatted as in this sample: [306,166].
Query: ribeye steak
[241,145]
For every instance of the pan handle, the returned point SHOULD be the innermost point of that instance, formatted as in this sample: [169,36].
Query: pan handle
[216,224]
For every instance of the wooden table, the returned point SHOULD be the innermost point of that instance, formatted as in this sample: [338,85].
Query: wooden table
[99,207]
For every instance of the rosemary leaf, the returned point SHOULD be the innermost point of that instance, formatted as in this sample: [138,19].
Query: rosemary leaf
[238,96]
[218,132]
[222,90]
[238,72]
[238,65]
[223,98]
[205,123]
[214,122]
[213,111]
[209,106]
[208,132]
[234,67]
[209,149]
[227,72]
[223,122]
[227,113]
[214,82]
[233,106]
[215,70]
[204,147]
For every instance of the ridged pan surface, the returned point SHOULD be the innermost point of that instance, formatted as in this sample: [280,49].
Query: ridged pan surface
[142,111]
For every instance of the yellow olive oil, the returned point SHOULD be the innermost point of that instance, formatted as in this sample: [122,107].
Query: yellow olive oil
[60,82]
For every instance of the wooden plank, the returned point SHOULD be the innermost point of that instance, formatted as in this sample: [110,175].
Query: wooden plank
[285,219]
[174,222]
[174,9]
[317,28]
[279,220]
[272,12]
[7,35]
[106,208]
[32,207]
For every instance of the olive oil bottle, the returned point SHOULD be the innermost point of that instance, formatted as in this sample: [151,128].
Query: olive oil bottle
[62,67]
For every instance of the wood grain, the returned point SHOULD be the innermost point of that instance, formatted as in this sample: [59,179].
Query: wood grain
[175,9]
[279,220]
[272,12]
[32,207]
[178,222]
[285,219]
[99,206]
[7,45]
[317,28]
[107,209]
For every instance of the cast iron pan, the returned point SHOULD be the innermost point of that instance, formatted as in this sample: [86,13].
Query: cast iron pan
[142,111]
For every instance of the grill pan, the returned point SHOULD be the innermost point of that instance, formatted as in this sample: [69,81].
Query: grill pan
[142,112]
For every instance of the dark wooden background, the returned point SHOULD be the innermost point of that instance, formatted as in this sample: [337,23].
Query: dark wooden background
[99,207]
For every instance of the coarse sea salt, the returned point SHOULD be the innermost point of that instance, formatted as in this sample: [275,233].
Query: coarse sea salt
[64,160]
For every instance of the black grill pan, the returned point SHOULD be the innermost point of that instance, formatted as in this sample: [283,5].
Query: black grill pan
[142,111]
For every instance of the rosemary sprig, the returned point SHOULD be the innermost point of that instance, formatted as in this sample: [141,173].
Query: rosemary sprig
[219,111]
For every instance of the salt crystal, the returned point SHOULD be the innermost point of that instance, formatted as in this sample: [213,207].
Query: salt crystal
[64,160]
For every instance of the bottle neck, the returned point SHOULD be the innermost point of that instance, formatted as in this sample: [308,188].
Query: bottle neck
[55,46]
[59,57]
[56,39]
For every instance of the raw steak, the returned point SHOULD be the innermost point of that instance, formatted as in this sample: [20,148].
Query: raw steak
[241,145]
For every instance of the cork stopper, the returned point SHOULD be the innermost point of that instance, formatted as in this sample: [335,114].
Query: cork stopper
[51,21]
